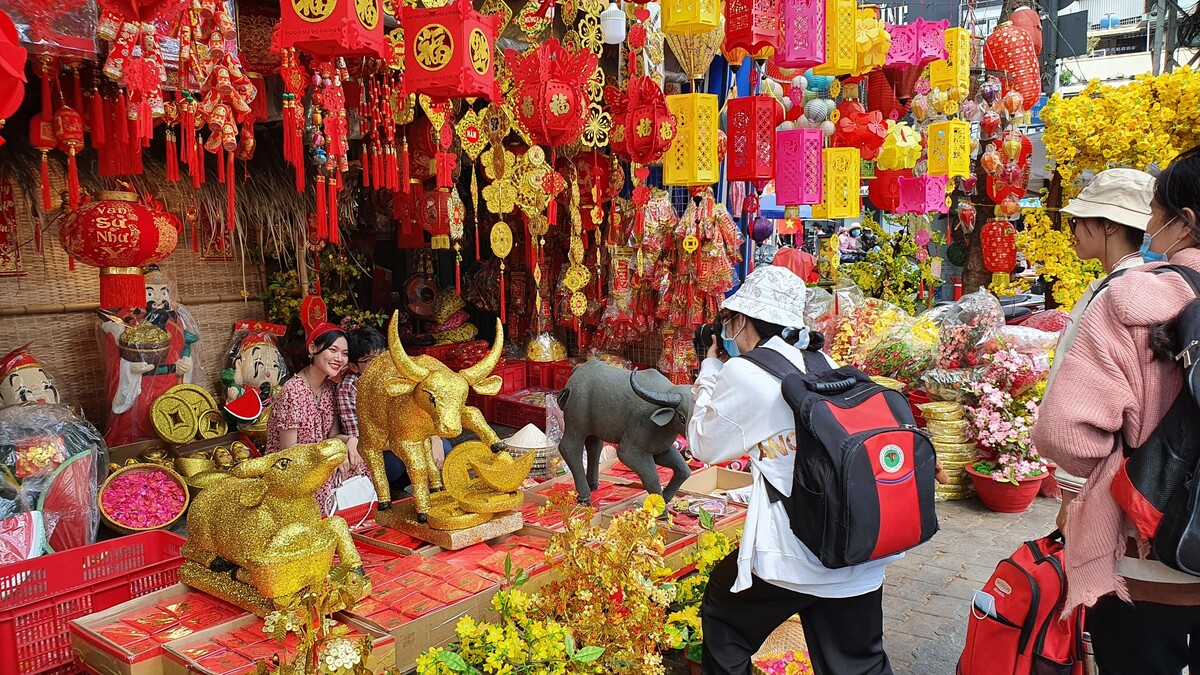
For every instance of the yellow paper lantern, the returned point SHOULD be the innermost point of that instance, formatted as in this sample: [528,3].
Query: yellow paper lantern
[689,17]
[842,181]
[950,148]
[901,149]
[841,54]
[692,157]
[953,72]
[871,41]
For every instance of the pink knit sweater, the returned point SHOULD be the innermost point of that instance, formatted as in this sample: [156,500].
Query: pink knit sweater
[1107,383]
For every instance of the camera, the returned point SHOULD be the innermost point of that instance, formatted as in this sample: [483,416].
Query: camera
[705,335]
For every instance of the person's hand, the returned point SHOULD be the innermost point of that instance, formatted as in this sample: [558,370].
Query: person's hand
[354,459]
[1061,520]
[183,365]
[941,476]
[714,352]
[140,368]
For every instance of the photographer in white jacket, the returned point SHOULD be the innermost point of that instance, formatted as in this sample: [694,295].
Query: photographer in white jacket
[740,409]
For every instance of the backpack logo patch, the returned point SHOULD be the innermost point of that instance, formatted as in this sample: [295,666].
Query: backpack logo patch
[891,458]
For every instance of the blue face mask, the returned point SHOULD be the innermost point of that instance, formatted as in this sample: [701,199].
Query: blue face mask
[1148,255]
[729,344]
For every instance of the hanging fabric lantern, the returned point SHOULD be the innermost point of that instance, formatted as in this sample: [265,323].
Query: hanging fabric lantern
[882,98]
[695,52]
[692,158]
[931,41]
[998,239]
[752,25]
[923,194]
[751,122]
[689,17]
[901,149]
[448,52]
[803,40]
[954,72]
[643,126]
[119,234]
[799,166]
[551,92]
[903,53]
[12,70]
[842,168]
[884,190]
[1010,49]
[68,129]
[329,29]
[433,214]
[950,148]
[1028,20]
[841,55]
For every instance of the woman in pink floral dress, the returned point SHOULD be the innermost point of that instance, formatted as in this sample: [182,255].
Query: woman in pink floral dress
[303,411]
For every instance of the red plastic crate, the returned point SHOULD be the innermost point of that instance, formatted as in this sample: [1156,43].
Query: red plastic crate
[40,597]
[542,374]
[916,398]
[485,404]
[514,374]
[510,411]
[562,373]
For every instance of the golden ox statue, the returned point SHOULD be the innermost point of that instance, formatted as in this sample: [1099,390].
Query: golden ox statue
[403,401]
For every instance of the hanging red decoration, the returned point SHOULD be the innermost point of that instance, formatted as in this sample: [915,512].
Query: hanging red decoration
[998,239]
[1010,49]
[1028,20]
[329,29]
[884,190]
[68,130]
[448,52]
[881,96]
[1012,177]
[857,128]
[120,234]
[41,136]
[752,121]
[751,25]
[12,70]
[551,92]
[643,126]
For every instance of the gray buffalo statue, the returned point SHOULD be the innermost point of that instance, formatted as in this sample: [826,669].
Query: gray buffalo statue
[641,413]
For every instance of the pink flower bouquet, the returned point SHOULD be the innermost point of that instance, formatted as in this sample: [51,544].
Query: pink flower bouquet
[792,662]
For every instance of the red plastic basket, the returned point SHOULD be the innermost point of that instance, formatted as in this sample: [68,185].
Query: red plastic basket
[562,373]
[512,412]
[514,374]
[40,597]
[542,374]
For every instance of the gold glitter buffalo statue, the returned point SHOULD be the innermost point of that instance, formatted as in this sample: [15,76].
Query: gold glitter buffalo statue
[403,401]
[256,538]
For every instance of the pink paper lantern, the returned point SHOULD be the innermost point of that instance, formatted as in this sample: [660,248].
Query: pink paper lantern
[803,34]
[931,41]
[923,194]
[799,169]
[903,52]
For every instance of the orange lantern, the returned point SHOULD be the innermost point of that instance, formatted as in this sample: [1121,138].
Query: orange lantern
[332,28]
[448,52]
[1010,49]
[120,234]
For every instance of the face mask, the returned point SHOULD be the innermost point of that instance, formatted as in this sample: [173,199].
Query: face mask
[1151,256]
[729,344]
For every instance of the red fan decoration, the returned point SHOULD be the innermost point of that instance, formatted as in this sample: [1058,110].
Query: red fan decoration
[552,101]
[69,504]
[860,129]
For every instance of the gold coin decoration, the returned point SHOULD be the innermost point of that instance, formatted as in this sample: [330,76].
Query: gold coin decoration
[502,239]
[173,419]
[198,398]
[576,278]
[445,514]
[690,244]
[212,425]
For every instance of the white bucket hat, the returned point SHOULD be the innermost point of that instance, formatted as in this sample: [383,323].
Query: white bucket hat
[1120,195]
[772,294]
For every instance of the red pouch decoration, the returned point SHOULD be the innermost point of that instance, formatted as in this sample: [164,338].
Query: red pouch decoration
[39,456]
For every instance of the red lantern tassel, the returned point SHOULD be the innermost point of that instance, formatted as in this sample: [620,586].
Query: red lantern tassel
[196,166]
[377,165]
[72,180]
[502,308]
[230,193]
[220,166]
[405,177]
[332,203]
[366,165]
[195,238]
[46,197]
[322,216]
[97,119]
[120,115]
[172,158]
[70,263]
[458,274]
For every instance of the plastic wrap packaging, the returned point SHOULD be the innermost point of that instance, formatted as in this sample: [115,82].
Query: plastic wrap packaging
[855,326]
[902,352]
[52,463]
[61,28]
[545,348]
[950,384]
[1022,339]
[966,325]
[255,361]
[1051,321]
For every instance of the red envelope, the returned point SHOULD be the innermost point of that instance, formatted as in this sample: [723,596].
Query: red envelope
[141,647]
[471,583]
[262,651]
[418,605]
[389,619]
[122,634]
[224,663]
[201,651]
[149,619]
[171,634]
[187,604]
[445,593]
[206,620]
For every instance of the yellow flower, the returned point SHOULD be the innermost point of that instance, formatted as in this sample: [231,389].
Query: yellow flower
[655,504]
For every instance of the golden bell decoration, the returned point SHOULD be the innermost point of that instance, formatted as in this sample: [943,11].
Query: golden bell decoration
[256,538]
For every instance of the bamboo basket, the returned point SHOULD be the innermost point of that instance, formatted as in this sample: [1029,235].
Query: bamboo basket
[143,468]
[787,637]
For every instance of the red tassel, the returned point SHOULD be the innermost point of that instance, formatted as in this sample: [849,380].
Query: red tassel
[332,204]
[195,238]
[377,165]
[145,123]
[71,263]
[97,120]
[172,159]
[47,201]
[196,166]
[405,177]
[72,180]
[457,274]
[231,186]
[502,308]
[322,216]
[366,165]
[120,115]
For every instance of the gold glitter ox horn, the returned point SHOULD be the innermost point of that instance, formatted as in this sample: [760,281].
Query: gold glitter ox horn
[407,367]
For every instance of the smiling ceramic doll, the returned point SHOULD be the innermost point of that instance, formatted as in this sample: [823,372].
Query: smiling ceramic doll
[255,364]
[24,380]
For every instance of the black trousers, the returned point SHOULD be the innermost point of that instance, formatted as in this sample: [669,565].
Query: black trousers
[1144,638]
[844,635]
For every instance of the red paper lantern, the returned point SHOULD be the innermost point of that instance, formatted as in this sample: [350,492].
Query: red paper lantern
[751,122]
[881,96]
[332,28]
[448,52]
[751,25]
[68,129]
[12,70]
[41,136]
[884,190]
[120,234]
[998,239]
[552,99]
[1028,20]
[643,126]
[1010,49]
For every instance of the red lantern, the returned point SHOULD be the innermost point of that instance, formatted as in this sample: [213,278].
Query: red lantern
[881,96]
[119,234]
[999,190]
[12,70]
[332,28]
[998,239]
[552,99]
[448,52]
[751,25]
[1028,20]
[68,129]
[433,214]
[1010,49]
[884,190]
[643,126]
[41,135]
[751,122]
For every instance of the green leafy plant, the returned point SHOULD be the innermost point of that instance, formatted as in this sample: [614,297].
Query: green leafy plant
[339,273]
[683,623]
[894,271]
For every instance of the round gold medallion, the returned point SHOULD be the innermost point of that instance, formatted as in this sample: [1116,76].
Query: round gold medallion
[502,239]
[174,420]
[198,398]
[211,424]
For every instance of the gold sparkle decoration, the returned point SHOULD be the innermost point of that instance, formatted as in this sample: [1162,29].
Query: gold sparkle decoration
[263,521]
[173,419]
[497,7]
[559,105]
[528,21]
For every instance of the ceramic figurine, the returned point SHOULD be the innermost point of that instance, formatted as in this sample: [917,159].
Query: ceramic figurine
[23,379]
[255,361]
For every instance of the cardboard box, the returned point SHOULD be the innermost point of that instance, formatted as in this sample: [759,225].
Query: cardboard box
[434,629]
[716,480]
[176,662]
[123,453]
[101,655]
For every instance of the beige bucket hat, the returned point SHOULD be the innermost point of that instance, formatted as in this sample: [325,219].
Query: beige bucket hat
[1120,195]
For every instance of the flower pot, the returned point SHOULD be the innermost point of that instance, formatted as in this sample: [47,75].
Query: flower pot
[694,667]
[1005,497]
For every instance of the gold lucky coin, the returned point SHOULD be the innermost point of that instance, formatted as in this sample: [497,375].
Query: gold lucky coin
[198,398]
[211,424]
[173,419]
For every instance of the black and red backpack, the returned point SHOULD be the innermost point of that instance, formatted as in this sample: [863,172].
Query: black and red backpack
[1016,625]
[863,486]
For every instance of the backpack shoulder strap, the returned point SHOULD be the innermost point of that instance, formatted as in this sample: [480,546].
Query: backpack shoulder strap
[816,363]
[773,362]
[1190,275]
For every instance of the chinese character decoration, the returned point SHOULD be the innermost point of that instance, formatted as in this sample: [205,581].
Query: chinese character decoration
[448,52]
[949,144]
[643,130]
[952,74]
[10,233]
[692,157]
[799,169]
[803,39]
[843,168]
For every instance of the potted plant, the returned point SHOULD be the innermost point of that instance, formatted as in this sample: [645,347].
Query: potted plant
[683,623]
[1010,470]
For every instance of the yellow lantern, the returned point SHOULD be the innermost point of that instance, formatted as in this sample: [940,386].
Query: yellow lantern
[692,157]
[842,182]
[689,17]
[950,148]
[953,74]
[901,149]
[841,51]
